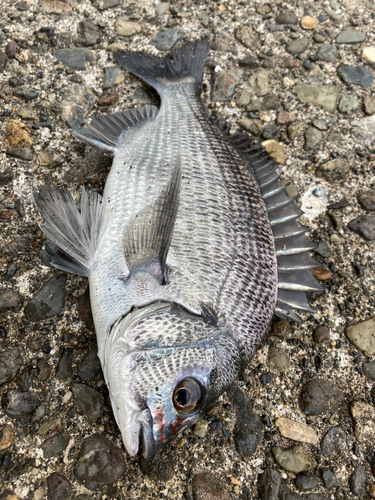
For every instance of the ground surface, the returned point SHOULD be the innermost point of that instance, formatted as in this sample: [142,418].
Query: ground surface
[53,397]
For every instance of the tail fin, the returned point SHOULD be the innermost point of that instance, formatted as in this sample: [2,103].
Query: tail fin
[189,60]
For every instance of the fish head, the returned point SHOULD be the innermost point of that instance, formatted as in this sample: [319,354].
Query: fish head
[164,370]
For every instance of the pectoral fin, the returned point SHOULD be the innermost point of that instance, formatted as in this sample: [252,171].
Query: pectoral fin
[147,237]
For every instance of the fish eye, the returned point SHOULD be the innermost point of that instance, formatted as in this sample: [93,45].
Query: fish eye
[188,396]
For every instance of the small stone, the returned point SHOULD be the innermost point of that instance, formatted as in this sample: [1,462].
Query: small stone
[247,37]
[10,50]
[105,4]
[224,85]
[321,334]
[363,130]
[350,36]
[334,170]
[297,46]
[362,335]
[6,438]
[318,38]
[294,130]
[88,400]
[305,481]
[367,200]
[296,430]
[369,369]
[6,177]
[27,113]
[99,463]
[309,22]
[313,138]
[58,487]
[327,53]
[89,32]
[44,370]
[269,484]
[284,117]
[243,99]
[113,76]
[323,96]
[17,135]
[259,82]
[357,481]
[209,486]
[167,39]
[371,490]
[270,102]
[287,18]
[320,124]
[271,132]
[109,99]
[9,300]
[348,105]
[357,75]
[123,27]
[320,396]
[49,301]
[368,54]
[278,360]
[78,101]
[364,225]
[369,105]
[275,150]
[90,366]
[52,424]
[281,329]
[161,8]
[200,428]
[74,58]
[334,442]
[289,63]
[17,404]
[296,459]
[55,445]
[364,417]
[64,370]
[329,479]
[321,274]
[161,467]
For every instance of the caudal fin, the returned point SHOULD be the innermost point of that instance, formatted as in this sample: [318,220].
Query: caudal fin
[187,61]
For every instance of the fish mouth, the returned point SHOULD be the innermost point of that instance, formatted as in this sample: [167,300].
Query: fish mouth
[139,430]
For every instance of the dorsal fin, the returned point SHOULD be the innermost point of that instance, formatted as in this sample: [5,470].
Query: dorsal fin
[294,264]
[106,130]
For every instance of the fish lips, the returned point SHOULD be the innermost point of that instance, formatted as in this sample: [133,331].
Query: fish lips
[136,425]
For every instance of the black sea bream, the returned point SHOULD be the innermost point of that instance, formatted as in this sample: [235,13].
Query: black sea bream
[189,253]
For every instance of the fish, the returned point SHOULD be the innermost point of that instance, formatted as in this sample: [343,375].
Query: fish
[189,253]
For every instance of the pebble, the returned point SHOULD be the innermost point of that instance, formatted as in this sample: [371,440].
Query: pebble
[278,360]
[259,83]
[90,367]
[357,75]
[52,424]
[123,27]
[275,150]
[309,22]
[270,102]
[281,329]
[323,96]
[321,334]
[6,177]
[334,441]
[18,140]
[99,463]
[348,105]
[200,428]
[78,101]
[297,431]
[49,301]
[318,38]
[369,105]
[369,369]
[89,33]
[368,54]
[350,36]
[6,438]
[209,486]
[321,274]
[334,170]
[113,76]
[106,4]
[271,132]
[64,370]
[367,200]
[313,138]
[161,8]
[108,100]
[357,481]
[362,335]
[297,46]
[167,39]
[306,481]
[9,300]
[364,225]
[284,117]
[294,130]
[243,99]
[364,417]
[327,53]
[329,479]
[224,85]
[55,445]
[295,459]
[363,130]
[287,17]
[3,61]
[17,404]
[320,396]
[269,484]
[371,490]
[161,467]
[74,58]
[247,37]
[88,400]
[58,487]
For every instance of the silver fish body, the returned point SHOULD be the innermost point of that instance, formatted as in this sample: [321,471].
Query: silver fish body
[183,273]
